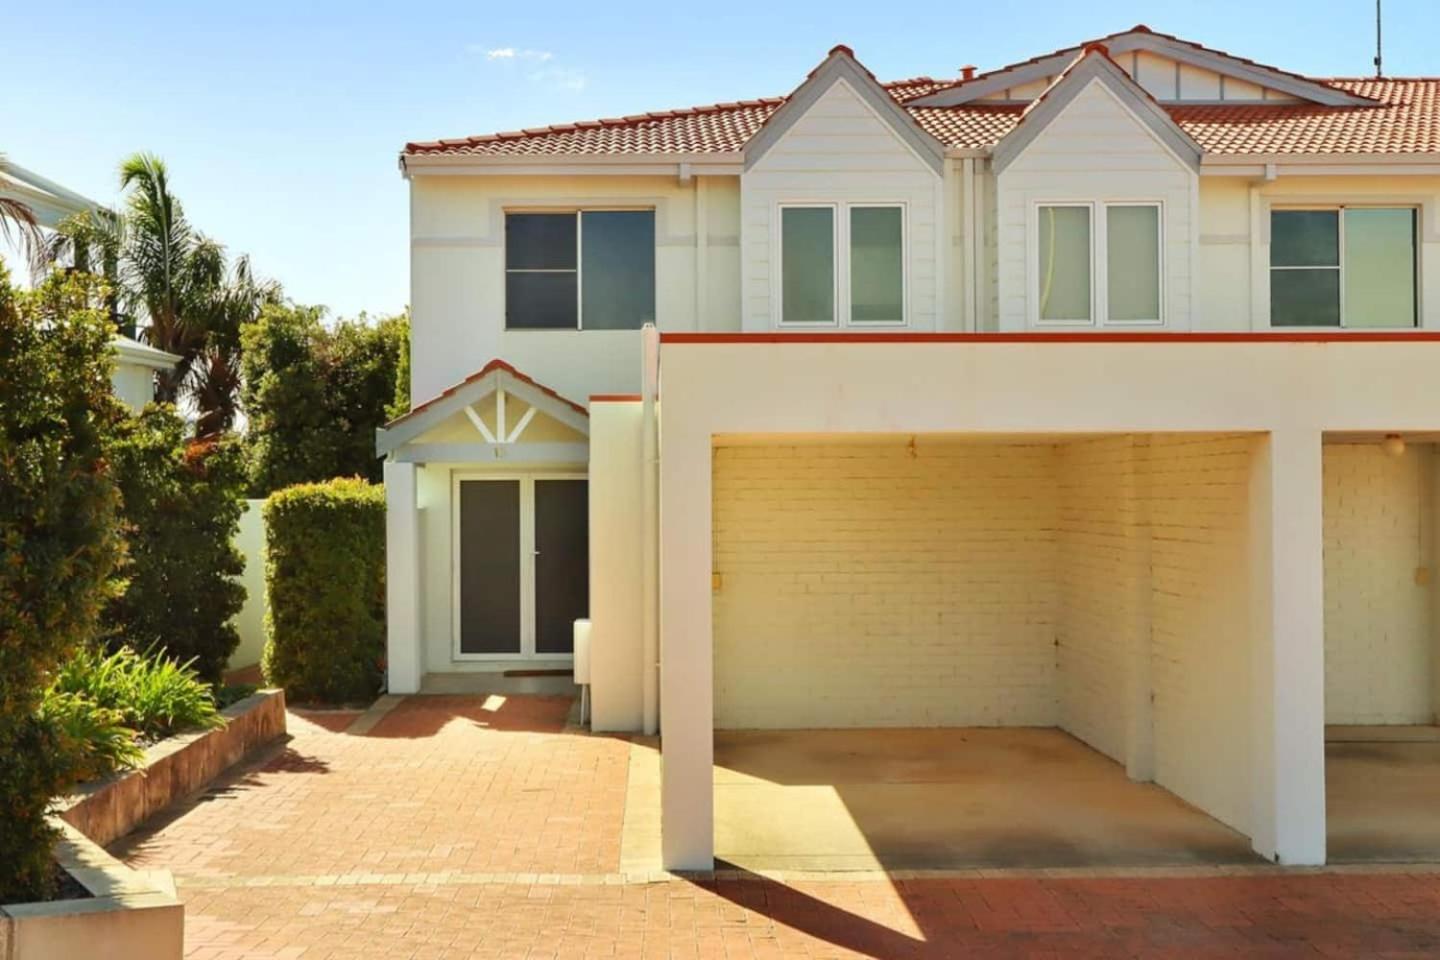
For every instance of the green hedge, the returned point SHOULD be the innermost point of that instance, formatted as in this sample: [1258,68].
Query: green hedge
[59,543]
[182,509]
[325,572]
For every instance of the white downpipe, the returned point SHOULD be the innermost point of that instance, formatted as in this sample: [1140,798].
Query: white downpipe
[970,320]
[650,530]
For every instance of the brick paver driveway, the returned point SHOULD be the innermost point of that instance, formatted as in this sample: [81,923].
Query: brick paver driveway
[464,827]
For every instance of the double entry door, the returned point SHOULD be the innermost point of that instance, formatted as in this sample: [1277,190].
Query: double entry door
[522,568]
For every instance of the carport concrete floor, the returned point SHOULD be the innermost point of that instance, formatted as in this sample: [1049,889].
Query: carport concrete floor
[931,799]
[1381,791]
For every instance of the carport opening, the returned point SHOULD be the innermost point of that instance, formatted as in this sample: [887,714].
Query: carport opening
[952,651]
[1382,752]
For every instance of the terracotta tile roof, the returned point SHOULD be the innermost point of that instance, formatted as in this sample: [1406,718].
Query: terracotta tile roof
[1405,118]
[489,368]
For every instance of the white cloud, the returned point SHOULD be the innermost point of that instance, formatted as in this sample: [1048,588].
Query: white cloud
[543,68]
[512,53]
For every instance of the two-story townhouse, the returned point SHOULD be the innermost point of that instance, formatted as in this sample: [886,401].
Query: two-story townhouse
[1095,392]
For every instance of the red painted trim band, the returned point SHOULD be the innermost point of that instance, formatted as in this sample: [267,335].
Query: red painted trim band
[1307,336]
[614,398]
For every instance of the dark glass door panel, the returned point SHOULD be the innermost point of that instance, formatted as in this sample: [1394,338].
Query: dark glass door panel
[562,562]
[489,566]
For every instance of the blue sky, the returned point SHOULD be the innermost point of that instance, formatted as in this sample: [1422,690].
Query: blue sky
[281,121]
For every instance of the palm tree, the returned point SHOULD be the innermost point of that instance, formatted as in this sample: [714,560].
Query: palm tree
[193,299]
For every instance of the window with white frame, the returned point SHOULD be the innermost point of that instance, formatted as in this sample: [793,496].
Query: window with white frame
[579,270]
[1343,267]
[863,287]
[1098,260]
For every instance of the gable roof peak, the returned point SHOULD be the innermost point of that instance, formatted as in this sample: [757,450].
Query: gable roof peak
[840,49]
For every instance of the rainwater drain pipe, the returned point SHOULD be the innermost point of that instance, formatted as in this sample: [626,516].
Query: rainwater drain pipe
[650,530]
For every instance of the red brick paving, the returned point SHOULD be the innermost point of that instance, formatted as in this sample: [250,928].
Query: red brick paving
[387,846]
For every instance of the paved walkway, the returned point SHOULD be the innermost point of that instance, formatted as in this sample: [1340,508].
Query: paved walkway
[479,827]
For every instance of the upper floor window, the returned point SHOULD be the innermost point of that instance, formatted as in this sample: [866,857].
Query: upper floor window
[580,270]
[865,286]
[1106,266]
[1342,267]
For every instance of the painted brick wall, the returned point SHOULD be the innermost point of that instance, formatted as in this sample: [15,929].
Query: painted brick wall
[1103,570]
[1377,619]
[1200,647]
[870,585]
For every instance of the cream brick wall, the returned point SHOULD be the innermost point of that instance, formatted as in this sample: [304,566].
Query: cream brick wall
[874,585]
[1200,647]
[1378,626]
[1103,570]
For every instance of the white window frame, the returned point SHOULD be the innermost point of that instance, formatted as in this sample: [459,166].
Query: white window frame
[1099,262]
[1339,210]
[527,565]
[579,270]
[839,241]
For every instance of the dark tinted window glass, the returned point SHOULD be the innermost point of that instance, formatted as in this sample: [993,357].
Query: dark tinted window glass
[540,241]
[540,301]
[1305,298]
[1305,238]
[617,269]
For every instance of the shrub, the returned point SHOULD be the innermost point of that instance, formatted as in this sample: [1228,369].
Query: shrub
[325,573]
[181,506]
[94,739]
[151,694]
[315,394]
[59,543]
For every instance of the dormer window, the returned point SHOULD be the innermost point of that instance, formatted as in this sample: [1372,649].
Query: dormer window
[1098,260]
[842,264]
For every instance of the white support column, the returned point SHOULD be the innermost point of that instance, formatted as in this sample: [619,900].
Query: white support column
[687,733]
[402,579]
[1288,636]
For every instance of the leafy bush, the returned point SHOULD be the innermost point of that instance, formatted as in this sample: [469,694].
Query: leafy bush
[325,573]
[315,394]
[95,739]
[182,508]
[59,543]
[150,694]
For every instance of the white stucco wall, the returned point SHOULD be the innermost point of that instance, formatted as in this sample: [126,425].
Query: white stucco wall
[841,150]
[250,622]
[133,383]
[1379,634]
[1094,150]
[616,566]
[457,261]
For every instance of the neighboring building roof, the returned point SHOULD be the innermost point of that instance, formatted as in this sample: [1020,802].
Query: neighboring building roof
[49,201]
[1393,116]
[142,354]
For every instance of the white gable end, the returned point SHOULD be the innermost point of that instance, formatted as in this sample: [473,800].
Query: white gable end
[840,151]
[1165,79]
[1094,151]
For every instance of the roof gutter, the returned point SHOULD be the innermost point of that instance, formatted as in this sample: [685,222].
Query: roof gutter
[684,165]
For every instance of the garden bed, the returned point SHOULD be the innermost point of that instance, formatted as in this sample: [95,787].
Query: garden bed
[174,768]
[123,914]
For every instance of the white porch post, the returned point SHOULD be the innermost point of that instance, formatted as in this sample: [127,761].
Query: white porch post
[687,735]
[402,579]
[1288,631]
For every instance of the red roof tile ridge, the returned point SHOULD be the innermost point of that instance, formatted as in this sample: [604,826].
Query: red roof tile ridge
[602,122]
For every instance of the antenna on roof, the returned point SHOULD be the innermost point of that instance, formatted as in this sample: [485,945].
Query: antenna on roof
[1379,71]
